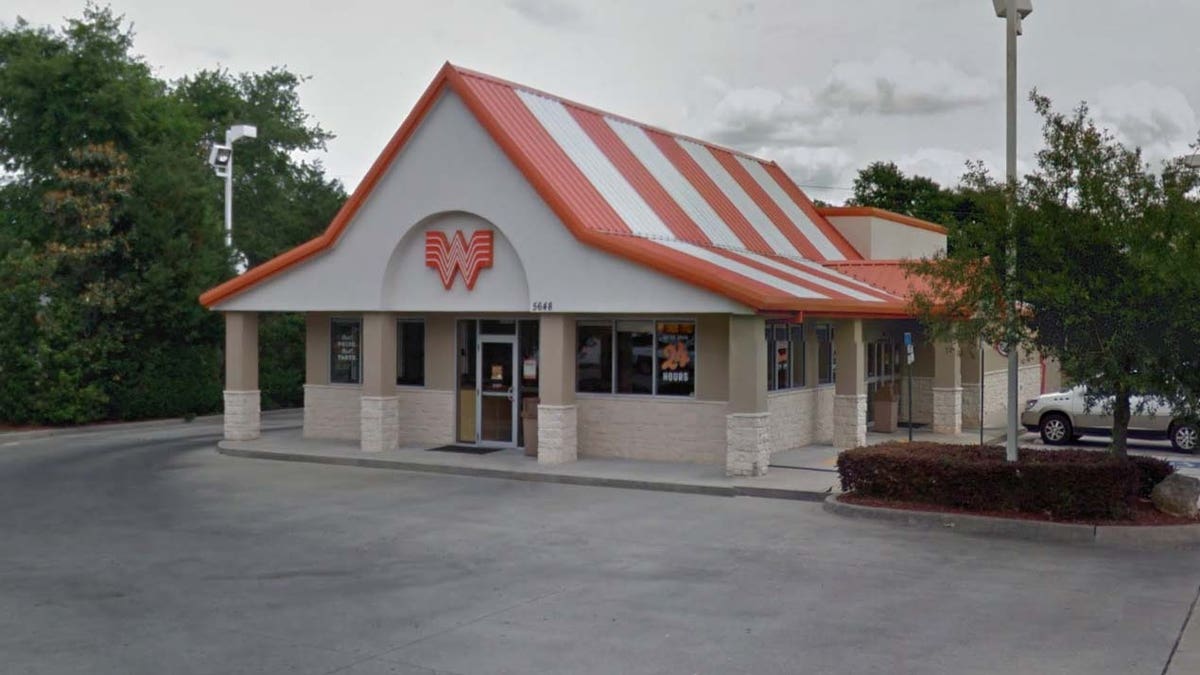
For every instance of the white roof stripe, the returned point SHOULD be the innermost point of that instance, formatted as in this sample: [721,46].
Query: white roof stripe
[675,183]
[808,228]
[595,165]
[759,220]
[837,286]
[744,270]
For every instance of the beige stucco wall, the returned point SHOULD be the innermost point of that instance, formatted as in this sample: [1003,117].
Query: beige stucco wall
[652,428]
[995,391]
[333,411]
[880,239]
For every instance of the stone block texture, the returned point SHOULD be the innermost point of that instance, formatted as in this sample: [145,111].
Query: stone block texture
[748,436]
[558,436]
[970,405]
[849,420]
[380,423]
[332,411]
[823,427]
[243,415]
[426,416]
[995,391]
[793,418]
[658,429]
[922,388]
[947,410]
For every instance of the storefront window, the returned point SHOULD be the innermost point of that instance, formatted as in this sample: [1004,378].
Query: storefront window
[410,352]
[593,356]
[676,358]
[785,355]
[825,366]
[635,357]
[345,341]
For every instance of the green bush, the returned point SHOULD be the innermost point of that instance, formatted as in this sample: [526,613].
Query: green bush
[1063,484]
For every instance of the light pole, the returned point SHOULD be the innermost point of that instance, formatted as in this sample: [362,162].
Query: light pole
[1012,11]
[221,159]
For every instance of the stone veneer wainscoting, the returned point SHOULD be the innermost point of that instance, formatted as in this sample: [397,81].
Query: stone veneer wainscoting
[658,429]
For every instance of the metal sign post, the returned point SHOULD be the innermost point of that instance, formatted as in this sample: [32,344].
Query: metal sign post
[909,358]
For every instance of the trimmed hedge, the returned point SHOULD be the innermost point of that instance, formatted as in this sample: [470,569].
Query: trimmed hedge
[1066,484]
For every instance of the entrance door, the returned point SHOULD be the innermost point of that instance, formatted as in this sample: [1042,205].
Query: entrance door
[496,409]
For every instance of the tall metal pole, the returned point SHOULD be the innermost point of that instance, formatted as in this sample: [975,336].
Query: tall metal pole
[1012,20]
[229,203]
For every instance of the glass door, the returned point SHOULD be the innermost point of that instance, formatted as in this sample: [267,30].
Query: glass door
[496,409]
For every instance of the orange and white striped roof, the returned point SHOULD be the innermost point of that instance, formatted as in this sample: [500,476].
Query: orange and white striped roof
[722,220]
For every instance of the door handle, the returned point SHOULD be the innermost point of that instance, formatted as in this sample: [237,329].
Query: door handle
[510,393]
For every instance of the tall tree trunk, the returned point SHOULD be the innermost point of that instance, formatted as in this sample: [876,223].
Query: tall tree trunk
[1120,431]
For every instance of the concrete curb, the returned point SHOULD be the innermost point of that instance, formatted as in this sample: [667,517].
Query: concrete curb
[1165,536]
[231,449]
[9,436]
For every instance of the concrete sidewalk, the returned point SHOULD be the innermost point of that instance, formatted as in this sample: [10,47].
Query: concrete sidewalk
[782,483]
[807,473]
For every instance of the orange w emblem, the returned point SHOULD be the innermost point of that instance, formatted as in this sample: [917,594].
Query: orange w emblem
[458,255]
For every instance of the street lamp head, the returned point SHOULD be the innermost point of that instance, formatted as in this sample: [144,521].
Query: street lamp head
[219,157]
[239,131]
[1024,7]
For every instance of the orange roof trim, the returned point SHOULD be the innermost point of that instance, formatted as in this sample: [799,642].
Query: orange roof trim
[872,212]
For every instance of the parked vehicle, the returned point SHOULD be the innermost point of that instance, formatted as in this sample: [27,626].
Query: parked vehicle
[1065,416]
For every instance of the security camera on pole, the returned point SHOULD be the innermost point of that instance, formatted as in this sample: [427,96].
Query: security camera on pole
[221,159]
[1012,11]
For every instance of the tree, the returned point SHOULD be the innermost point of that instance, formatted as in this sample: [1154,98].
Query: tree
[111,223]
[1094,227]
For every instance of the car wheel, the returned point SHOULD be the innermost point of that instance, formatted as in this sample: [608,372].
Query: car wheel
[1056,429]
[1184,436]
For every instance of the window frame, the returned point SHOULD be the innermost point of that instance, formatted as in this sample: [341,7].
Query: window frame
[400,321]
[654,373]
[823,347]
[797,359]
[357,320]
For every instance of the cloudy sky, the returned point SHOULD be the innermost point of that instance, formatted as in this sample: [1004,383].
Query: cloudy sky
[821,86]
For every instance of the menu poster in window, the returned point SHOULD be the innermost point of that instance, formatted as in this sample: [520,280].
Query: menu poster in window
[346,347]
[677,358]
[529,368]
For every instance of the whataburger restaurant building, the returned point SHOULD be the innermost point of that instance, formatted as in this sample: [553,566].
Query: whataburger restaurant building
[650,295]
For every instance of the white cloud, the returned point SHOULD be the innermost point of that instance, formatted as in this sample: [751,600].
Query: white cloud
[812,167]
[552,13]
[896,83]
[764,116]
[946,166]
[1156,118]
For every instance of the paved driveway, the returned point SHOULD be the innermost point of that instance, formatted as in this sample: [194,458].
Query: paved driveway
[147,552]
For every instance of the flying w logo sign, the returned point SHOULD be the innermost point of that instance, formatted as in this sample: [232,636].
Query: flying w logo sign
[458,255]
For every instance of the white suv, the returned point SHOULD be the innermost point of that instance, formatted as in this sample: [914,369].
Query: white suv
[1065,416]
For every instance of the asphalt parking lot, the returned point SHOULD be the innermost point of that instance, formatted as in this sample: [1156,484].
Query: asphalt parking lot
[147,552]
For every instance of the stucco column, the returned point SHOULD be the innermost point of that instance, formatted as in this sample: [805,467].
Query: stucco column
[850,393]
[748,422]
[380,416]
[557,424]
[947,389]
[243,400]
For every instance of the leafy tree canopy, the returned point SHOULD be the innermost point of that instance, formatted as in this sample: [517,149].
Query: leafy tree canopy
[111,222]
[1105,280]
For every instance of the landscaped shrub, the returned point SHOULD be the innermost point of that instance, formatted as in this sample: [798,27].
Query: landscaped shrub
[1063,484]
[1151,472]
